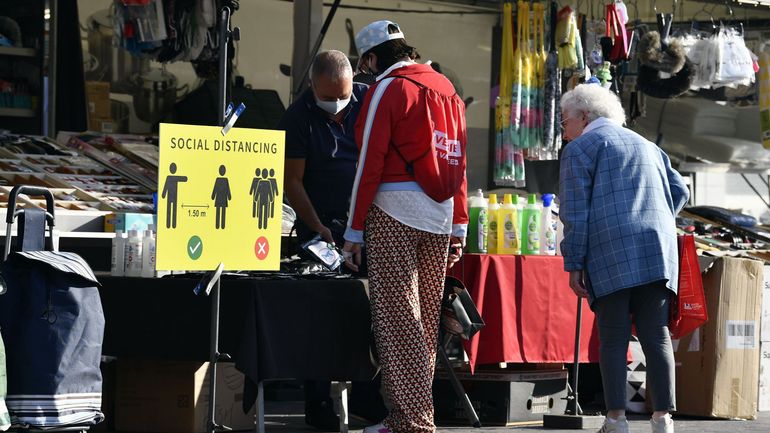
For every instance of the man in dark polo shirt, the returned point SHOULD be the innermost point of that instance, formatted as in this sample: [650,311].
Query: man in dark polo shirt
[321,156]
[321,152]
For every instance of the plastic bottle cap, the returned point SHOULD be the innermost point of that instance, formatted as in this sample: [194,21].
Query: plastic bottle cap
[515,198]
[493,198]
[479,193]
[532,199]
[547,199]
[507,199]
[133,233]
[119,232]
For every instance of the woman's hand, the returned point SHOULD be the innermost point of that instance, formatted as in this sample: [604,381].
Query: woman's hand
[577,283]
[455,251]
[351,252]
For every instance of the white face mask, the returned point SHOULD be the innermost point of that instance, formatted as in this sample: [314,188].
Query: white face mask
[332,107]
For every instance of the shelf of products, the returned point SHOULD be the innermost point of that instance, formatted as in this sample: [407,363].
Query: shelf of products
[77,181]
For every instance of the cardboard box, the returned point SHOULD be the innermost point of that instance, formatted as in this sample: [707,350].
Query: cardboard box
[763,402]
[101,124]
[98,99]
[126,221]
[717,367]
[172,397]
[503,398]
[765,326]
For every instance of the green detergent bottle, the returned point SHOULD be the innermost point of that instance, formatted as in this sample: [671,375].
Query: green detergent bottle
[530,226]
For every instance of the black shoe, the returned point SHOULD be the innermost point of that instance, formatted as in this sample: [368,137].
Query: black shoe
[322,417]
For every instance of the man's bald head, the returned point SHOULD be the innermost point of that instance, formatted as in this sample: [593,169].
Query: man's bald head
[333,65]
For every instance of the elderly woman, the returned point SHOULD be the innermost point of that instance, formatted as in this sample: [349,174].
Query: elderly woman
[619,197]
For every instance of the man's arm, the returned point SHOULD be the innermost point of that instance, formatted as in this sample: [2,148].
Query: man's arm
[294,172]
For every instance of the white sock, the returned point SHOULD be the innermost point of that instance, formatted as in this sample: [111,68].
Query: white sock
[664,419]
[611,421]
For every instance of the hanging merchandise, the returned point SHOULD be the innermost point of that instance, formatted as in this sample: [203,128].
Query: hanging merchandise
[519,94]
[527,79]
[552,96]
[169,30]
[537,99]
[720,60]
[616,31]
[735,65]
[504,151]
[764,98]
[566,37]
[664,71]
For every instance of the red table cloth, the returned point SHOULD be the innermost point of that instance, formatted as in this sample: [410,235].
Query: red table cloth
[528,308]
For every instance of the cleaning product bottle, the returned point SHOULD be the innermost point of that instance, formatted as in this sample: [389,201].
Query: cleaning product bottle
[148,254]
[133,254]
[492,217]
[508,230]
[117,266]
[530,230]
[479,223]
[547,228]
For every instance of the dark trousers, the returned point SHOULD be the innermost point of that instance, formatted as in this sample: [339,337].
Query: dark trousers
[648,307]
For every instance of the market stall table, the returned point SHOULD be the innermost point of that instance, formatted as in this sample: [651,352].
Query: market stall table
[529,310]
[307,329]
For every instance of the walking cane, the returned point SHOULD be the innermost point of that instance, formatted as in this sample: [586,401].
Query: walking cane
[573,417]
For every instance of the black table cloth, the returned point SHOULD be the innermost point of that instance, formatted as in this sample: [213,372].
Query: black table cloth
[273,329]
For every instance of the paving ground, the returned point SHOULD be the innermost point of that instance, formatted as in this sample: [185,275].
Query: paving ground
[287,417]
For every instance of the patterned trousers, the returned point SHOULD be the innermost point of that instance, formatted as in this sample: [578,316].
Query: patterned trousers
[406,282]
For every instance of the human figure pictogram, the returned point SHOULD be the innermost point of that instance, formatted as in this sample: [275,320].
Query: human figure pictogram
[170,191]
[265,199]
[221,196]
[253,192]
[274,186]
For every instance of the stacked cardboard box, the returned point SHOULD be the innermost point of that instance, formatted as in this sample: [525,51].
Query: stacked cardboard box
[763,402]
[717,366]
[172,397]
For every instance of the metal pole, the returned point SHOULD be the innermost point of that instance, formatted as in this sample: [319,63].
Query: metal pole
[298,86]
[214,355]
[576,363]
[224,36]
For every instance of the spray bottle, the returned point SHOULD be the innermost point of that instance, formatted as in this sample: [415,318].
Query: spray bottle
[148,254]
[530,230]
[507,228]
[117,266]
[133,254]
[493,217]
[547,228]
[479,223]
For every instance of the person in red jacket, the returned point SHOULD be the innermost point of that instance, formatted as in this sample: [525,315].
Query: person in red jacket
[408,234]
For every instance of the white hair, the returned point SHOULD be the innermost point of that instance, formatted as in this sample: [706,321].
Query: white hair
[333,64]
[594,101]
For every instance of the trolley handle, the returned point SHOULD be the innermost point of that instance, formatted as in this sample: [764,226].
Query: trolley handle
[29,190]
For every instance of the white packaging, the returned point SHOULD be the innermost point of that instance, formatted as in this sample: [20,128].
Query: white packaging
[117,264]
[133,254]
[148,254]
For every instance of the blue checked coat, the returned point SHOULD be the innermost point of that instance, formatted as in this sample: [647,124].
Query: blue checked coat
[618,200]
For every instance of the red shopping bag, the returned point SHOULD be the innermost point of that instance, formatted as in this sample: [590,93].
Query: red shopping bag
[688,308]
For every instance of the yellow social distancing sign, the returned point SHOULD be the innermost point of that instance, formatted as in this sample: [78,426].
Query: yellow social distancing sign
[219,198]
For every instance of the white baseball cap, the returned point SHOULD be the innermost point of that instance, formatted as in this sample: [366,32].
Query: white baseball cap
[374,34]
